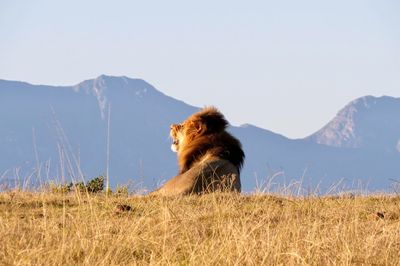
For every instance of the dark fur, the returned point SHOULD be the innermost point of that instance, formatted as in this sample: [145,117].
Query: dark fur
[207,135]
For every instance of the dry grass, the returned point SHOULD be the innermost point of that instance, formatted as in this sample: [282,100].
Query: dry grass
[217,229]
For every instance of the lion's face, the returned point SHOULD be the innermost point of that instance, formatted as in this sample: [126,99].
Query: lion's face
[183,133]
[178,138]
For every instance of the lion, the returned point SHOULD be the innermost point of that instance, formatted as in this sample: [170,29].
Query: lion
[210,159]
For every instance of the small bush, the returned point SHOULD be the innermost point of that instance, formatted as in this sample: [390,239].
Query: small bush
[95,185]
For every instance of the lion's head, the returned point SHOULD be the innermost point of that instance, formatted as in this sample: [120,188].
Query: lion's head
[204,134]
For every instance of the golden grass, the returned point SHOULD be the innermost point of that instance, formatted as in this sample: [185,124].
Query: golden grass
[216,229]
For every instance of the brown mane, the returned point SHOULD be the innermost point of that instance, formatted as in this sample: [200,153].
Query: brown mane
[207,136]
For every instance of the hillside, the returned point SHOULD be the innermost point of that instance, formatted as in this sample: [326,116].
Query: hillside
[63,132]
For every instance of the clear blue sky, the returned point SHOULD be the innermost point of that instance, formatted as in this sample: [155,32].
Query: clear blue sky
[288,66]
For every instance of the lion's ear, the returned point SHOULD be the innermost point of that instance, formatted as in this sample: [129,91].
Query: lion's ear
[200,127]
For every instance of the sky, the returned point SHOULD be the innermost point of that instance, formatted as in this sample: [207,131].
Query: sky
[286,66]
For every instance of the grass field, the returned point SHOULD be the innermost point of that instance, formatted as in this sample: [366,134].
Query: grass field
[217,229]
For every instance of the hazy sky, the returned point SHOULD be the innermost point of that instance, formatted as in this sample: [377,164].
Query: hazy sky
[287,66]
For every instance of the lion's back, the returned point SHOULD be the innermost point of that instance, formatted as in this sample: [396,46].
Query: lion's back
[216,174]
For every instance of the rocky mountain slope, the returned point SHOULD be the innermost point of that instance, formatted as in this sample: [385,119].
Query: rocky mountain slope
[368,122]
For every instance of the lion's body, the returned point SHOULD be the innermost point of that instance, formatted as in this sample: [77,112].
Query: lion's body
[211,175]
[209,157]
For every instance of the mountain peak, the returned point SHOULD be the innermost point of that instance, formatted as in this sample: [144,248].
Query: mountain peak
[105,87]
[365,122]
[370,101]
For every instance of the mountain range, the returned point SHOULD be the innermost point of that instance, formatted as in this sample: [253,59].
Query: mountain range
[61,133]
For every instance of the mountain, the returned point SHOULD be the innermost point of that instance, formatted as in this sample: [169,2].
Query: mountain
[368,122]
[63,132]
[73,120]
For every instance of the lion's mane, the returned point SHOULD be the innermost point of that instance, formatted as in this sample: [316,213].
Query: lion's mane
[208,136]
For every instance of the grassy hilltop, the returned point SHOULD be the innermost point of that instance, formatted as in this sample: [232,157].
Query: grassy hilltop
[55,228]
